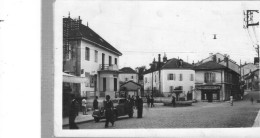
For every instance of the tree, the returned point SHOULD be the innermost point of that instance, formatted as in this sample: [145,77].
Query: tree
[140,71]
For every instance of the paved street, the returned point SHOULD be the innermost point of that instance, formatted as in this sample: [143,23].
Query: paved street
[199,115]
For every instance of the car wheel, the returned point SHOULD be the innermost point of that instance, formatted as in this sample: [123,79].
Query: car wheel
[96,119]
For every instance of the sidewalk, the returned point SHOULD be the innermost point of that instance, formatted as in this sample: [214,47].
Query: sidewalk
[257,120]
[79,119]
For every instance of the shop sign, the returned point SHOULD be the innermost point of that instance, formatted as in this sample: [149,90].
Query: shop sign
[208,87]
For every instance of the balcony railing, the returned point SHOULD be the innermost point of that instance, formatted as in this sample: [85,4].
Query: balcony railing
[108,67]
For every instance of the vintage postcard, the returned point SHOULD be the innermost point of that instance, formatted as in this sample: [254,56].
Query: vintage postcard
[156,68]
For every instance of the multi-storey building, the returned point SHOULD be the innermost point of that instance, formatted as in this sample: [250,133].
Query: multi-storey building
[86,54]
[216,79]
[127,74]
[252,81]
[169,77]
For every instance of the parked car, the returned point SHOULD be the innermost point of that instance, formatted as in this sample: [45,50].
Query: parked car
[121,108]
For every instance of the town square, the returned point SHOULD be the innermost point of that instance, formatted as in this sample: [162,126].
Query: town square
[160,69]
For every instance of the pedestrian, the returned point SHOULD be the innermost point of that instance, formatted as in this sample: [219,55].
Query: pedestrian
[73,112]
[130,106]
[95,103]
[173,101]
[84,106]
[252,100]
[109,111]
[231,100]
[148,100]
[134,101]
[139,107]
[152,101]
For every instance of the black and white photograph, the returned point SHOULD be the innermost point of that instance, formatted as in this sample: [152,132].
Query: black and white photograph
[156,68]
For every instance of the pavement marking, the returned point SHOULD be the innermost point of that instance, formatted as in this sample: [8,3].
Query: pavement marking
[257,120]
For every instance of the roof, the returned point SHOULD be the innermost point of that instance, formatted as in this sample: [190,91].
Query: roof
[131,85]
[250,74]
[174,64]
[89,34]
[209,65]
[127,70]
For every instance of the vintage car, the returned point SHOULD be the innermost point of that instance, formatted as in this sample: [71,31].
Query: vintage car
[122,107]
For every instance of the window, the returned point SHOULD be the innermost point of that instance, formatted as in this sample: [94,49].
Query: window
[191,77]
[209,77]
[115,61]
[96,56]
[132,77]
[171,88]
[126,79]
[180,77]
[170,76]
[110,60]
[87,53]
[155,78]
[92,81]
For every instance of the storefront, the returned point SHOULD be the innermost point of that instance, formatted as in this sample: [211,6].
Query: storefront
[209,92]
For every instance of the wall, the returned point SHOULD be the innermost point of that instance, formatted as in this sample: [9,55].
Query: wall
[91,66]
[122,77]
[199,80]
[186,83]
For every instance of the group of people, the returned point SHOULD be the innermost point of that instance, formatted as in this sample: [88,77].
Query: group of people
[108,107]
[136,103]
[150,101]
[133,102]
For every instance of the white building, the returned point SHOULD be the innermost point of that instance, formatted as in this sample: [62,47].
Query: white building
[127,74]
[88,55]
[172,76]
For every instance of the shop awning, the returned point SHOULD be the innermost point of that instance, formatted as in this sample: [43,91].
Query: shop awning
[73,79]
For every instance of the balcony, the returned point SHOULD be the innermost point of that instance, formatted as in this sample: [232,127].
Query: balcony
[112,67]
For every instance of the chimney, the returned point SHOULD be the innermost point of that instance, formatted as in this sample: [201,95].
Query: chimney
[164,58]
[226,60]
[159,60]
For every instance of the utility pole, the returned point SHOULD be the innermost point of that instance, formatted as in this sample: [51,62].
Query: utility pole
[249,22]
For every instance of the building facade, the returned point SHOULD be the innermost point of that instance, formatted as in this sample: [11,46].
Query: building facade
[215,82]
[86,54]
[127,74]
[252,80]
[169,77]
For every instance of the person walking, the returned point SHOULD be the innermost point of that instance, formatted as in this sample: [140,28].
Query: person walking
[173,101]
[95,103]
[73,112]
[109,111]
[134,101]
[152,101]
[148,100]
[139,107]
[252,100]
[84,106]
[231,100]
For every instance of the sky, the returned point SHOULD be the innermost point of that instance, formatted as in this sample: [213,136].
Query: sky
[143,29]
